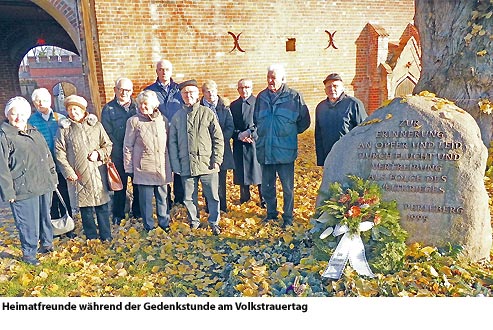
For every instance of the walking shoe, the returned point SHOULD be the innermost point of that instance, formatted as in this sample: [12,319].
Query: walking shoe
[117,221]
[216,230]
[31,261]
[195,225]
[165,228]
[46,249]
[287,223]
[269,218]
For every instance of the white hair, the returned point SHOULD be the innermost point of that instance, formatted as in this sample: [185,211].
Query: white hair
[19,103]
[123,79]
[164,62]
[149,96]
[279,69]
[40,93]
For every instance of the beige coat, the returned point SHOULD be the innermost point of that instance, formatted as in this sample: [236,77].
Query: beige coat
[145,150]
[75,141]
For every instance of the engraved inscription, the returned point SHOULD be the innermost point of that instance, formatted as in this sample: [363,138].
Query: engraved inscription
[411,160]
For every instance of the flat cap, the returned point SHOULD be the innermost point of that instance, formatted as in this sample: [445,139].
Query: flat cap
[332,76]
[186,83]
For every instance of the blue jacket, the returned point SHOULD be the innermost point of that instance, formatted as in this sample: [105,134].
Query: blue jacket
[114,119]
[334,120]
[278,121]
[169,102]
[47,128]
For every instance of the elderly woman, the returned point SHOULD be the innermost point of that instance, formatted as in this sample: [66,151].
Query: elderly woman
[27,179]
[81,149]
[145,155]
[46,122]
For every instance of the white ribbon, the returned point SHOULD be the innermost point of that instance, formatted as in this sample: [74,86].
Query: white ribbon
[349,248]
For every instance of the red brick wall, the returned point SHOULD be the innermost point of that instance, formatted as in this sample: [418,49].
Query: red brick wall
[128,37]
[193,35]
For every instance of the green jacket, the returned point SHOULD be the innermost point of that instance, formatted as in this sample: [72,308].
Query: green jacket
[196,141]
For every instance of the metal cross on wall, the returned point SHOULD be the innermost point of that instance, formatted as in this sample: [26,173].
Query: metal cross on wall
[331,39]
[236,41]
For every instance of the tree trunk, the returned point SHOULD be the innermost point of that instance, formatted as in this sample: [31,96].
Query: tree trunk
[454,37]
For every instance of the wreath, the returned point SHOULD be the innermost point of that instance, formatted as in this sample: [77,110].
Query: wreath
[358,207]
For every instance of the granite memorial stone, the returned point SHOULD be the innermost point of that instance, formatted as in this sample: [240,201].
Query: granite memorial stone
[427,154]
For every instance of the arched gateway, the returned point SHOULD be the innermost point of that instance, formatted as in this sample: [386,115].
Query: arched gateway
[26,24]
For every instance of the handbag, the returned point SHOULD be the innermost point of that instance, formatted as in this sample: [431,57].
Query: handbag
[64,224]
[114,180]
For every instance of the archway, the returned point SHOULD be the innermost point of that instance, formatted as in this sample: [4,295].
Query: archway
[26,24]
[53,68]
[405,87]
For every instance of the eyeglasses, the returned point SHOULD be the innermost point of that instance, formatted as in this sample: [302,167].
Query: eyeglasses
[245,87]
[123,90]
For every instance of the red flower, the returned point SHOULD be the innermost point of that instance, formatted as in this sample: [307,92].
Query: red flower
[377,219]
[354,211]
[344,198]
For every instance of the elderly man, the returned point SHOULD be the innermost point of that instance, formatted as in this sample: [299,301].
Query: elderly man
[170,101]
[196,148]
[335,116]
[247,168]
[114,118]
[221,108]
[46,121]
[280,115]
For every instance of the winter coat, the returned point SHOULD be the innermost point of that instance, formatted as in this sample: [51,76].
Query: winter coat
[196,141]
[75,141]
[227,127]
[334,120]
[145,150]
[27,168]
[278,122]
[247,168]
[114,118]
[169,101]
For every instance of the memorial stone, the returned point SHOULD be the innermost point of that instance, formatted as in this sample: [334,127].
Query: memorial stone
[427,154]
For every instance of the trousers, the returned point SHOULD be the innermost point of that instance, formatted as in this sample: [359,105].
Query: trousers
[33,221]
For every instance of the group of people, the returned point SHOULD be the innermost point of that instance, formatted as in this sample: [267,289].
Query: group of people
[165,141]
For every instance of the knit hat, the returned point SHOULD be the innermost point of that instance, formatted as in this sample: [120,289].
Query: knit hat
[186,83]
[332,76]
[19,103]
[76,100]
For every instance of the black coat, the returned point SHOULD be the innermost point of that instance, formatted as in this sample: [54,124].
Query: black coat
[247,168]
[226,122]
[114,119]
[27,168]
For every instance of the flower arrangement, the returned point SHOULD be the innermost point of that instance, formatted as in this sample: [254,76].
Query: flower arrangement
[357,205]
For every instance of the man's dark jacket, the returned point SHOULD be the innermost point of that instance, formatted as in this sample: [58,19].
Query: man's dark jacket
[334,120]
[114,119]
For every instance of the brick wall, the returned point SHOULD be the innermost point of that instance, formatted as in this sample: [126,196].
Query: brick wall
[126,38]
[193,35]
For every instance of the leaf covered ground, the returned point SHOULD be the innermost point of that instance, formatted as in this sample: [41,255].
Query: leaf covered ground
[249,258]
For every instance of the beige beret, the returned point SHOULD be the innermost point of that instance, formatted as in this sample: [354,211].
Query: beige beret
[76,100]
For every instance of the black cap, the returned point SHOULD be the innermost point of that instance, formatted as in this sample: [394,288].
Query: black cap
[186,83]
[332,76]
